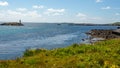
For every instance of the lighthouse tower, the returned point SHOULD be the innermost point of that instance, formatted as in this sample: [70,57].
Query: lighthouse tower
[19,21]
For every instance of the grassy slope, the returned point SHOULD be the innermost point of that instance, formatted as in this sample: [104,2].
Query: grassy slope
[104,54]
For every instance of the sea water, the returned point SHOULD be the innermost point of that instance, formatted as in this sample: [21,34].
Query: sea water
[14,40]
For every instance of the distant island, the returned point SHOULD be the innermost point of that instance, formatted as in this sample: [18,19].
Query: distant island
[91,24]
[13,23]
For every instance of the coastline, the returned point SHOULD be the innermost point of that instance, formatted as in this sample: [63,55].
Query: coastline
[103,33]
[20,38]
[101,54]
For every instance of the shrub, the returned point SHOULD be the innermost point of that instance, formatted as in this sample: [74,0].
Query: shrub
[28,53]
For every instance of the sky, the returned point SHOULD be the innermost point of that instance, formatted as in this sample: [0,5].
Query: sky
[59,11]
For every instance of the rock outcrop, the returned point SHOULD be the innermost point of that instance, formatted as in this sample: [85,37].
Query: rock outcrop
[106,34]
[12,24]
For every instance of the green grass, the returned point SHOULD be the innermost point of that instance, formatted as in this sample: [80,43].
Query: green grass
[105,54]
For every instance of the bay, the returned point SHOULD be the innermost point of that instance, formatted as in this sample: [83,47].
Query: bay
[14,40]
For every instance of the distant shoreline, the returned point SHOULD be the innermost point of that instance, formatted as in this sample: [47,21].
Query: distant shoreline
[71,24]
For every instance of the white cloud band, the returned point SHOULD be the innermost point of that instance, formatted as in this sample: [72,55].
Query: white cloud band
[54,12]
[3,3]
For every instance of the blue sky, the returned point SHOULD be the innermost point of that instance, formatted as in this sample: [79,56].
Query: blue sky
[76,11]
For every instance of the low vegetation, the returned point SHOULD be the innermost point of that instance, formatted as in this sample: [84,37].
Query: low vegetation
[116,23]
[105,54]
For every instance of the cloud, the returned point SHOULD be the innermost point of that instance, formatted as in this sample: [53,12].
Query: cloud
[96,18]
[106,8]
[12,15]
[117,8]
[38,6]
[3,3]
[22,9]
[84,17]
[54,12]
[81,16]
[23,14]
[117,14]
[98,1]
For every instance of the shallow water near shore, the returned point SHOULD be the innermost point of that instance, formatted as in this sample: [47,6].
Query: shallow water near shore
[14,40]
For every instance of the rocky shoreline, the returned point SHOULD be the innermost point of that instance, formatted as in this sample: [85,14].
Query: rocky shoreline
[106,34]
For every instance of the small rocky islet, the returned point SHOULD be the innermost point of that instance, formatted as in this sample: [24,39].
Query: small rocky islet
[12,24]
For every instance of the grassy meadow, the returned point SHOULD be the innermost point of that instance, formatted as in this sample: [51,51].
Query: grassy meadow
[105,54]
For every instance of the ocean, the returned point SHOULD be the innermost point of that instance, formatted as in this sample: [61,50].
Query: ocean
[14,40]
